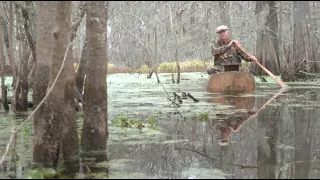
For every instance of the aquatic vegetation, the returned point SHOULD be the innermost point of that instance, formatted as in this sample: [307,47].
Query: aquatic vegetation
[47,173]
[204,117]
[125,122]
[28,129]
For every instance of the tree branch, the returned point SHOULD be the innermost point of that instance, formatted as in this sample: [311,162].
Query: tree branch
[25,15]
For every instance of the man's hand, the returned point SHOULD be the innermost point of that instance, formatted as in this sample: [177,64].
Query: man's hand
[253,58]
[236,43]
[233,43]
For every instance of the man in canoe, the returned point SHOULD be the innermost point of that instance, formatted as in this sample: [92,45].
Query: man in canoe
[232,123]
[226,52]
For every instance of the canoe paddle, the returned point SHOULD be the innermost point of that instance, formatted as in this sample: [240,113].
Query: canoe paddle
[267,71]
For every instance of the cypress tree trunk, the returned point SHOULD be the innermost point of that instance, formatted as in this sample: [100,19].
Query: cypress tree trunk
[95,126]
[45,14]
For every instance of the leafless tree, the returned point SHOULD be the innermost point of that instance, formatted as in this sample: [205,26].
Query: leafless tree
[2,67]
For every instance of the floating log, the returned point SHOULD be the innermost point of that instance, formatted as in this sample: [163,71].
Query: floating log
[194,99]
[179,98]
[184,95]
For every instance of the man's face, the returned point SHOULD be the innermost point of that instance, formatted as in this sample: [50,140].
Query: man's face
[223,35]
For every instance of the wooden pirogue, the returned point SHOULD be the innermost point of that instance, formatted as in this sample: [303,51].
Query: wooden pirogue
[231,81]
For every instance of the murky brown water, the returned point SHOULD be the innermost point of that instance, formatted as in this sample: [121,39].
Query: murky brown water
[279,142]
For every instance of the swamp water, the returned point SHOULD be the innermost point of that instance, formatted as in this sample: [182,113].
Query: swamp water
[279,142]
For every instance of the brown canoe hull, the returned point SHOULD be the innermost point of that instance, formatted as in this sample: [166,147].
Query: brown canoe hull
[232,82]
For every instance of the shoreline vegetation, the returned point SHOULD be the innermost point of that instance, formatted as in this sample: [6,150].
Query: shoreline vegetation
[187,66]
[164,67]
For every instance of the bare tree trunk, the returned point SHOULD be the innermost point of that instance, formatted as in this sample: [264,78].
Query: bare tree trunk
[70,141]
[282,60]
[59,134]
[177,46]
[304,40]
[12,62]
[59,128]
[156,48]
[267,44]
[150,62]
[178,65]
[21,88]
[26,18]
[303,52]
[290,57]
[20,99]
[155,65]
[95,126]
[27,23]
[152,65]
[45,14]
[167,52]
[2,67]
[243,21]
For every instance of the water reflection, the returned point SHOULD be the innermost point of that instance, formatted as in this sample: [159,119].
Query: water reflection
[227,123]
[238,102]
[262,142]
[230,123]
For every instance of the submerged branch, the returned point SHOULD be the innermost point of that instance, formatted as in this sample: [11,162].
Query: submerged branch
[193,98]
[311,74]
[8,145]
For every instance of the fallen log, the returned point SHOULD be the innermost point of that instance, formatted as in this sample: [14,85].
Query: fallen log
[184,95]
[179,98]
[194,99]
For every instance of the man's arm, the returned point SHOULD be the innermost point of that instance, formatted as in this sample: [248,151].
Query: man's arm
[243,55]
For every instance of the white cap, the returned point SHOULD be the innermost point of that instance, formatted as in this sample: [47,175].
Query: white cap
[220,28]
